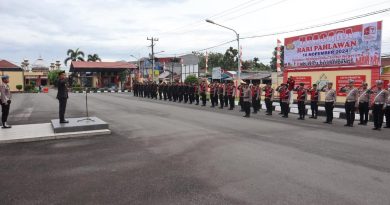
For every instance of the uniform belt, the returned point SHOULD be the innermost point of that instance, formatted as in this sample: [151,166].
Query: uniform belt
[329,100]
[379,103]
[351,101]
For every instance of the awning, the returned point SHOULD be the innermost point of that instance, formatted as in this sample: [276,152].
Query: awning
[163,75]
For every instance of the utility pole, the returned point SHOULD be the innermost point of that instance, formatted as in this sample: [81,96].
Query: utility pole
[152,39]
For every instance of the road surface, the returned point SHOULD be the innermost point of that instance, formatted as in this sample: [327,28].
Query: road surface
[171,153]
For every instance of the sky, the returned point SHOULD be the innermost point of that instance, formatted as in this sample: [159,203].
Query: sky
[118,29]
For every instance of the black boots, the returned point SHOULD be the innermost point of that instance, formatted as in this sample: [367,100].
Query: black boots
[5,126]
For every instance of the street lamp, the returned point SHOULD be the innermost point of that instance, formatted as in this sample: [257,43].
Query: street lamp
[238,47]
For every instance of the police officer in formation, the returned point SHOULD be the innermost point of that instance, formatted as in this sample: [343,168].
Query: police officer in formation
[314,98]
[224,95]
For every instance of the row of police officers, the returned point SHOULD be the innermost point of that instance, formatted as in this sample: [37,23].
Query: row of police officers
[222,95]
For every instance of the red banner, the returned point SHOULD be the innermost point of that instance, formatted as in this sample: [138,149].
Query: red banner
[302,79]
[358,45]
[343,80]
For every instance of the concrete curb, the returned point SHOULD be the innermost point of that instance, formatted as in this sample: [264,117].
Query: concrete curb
[59,136]
[105,91]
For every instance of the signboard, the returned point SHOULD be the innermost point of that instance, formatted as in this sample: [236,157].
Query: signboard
[342,81]
[217,73]
[302,79]
[358,45]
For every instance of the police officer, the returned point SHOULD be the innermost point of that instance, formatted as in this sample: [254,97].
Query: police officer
[314,98]
[301,99]
[213,90]
[231,93]
[62,95]
[5,101]
[380,97]
[256,95]
[186,91]
[221,91]
[240,101]
[247,99]
[160,89]
[286,100]
[225,95]
[196,93]
[363,101]
[350,102]
[165,91]
[387,110]
[268,98]
[330,99]
[191,92]
[202,91]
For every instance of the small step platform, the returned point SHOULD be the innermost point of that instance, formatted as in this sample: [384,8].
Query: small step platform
[79,125]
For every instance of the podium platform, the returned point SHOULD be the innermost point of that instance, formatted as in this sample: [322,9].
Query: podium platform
[79,124]
[77,127]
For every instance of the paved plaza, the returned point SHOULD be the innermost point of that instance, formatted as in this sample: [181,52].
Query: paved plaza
[170,153]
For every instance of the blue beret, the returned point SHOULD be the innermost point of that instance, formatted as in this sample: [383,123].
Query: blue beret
[4,77]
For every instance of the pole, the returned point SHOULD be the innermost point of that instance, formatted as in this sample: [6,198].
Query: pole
[152,45]
[238,59]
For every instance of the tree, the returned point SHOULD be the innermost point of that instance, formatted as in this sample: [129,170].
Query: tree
[93,58]
[191,79]
[230,59]
[273,59]
[122,77]
[53,76]
[74,55]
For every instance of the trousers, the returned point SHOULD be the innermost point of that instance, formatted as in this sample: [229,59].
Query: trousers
[62,108]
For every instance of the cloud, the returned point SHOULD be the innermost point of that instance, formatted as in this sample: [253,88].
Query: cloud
[115,29]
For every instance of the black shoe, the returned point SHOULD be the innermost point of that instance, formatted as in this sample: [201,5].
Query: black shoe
[268,114]
[230,108]
[312,117]
[247,116]
[351,125]
[376,128]
[254,112]
[325,122]
[315,117]
[386,127]
[330,123]
[5,126]
[360,123]
[346,125]
[284,116]
[64,121]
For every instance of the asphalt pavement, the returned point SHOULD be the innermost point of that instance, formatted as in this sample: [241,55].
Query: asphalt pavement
[170,153]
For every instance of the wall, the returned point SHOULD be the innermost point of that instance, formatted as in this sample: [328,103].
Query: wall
[321,76]
[15,78]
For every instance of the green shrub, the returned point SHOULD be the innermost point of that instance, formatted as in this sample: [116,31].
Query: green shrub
[191,79]
[28,88]
[19,87]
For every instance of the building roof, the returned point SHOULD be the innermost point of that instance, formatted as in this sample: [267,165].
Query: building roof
[84,66]
[8,66]
[385,61]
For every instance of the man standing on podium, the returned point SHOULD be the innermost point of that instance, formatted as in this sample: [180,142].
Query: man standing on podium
[62,95]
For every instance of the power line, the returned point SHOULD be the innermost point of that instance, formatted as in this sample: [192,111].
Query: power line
[295,30]
[321,25]
[219,15]
[255,10]
[330,16]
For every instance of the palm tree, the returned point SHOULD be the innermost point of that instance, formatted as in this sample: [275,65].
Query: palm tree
[95,57]
[74,55]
